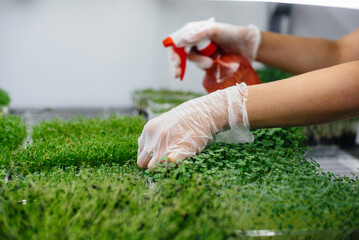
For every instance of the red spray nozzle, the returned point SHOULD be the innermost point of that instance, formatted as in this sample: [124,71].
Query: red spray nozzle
[204,47]
[168,42]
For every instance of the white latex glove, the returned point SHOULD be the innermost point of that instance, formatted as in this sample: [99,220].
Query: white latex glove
[187,129]
[230,38]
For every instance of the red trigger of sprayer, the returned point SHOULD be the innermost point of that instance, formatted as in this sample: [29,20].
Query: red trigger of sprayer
[205,47]
[168,42]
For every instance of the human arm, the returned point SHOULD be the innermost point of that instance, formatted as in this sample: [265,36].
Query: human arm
[299,55]
[316,97]
[290,53]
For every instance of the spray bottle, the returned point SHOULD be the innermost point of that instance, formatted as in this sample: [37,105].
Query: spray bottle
[227,69]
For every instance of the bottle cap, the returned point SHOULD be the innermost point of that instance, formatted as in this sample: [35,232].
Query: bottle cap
[206,47]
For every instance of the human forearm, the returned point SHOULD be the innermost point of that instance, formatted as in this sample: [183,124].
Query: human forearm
[316,97]
[297,54]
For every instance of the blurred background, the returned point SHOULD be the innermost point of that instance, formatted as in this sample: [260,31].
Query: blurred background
[70,54]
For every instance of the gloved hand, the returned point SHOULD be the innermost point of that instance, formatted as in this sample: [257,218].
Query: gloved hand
[232,39]
[187,129]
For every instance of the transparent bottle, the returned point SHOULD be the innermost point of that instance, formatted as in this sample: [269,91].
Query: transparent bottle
[227,69]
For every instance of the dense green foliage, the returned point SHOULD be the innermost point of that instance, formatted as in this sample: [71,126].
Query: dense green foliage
[276,186]
[12,133]
[79,179]
[274,152]
[79,142]
[4,98]
[141,98]
[269,74]
[64,152]
[118,202]
[83,127]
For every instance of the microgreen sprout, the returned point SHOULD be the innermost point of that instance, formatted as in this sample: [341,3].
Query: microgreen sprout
[79,179]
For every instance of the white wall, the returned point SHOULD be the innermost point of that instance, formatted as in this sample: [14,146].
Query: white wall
[94,53]
[323,22]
